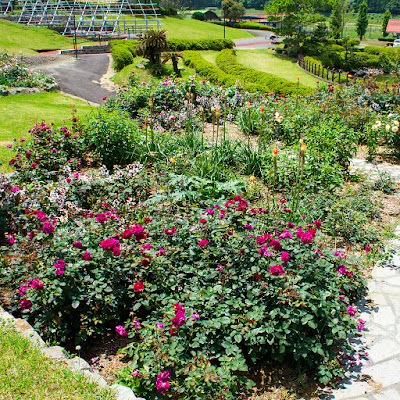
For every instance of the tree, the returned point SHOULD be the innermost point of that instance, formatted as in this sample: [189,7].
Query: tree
[151,44]
[298,14]
[174,57]
[385,21]
[232,9]
[362,19]
[338,17]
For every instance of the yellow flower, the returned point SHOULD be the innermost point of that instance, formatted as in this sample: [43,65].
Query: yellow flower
[252,178]
[395,128]
[172,161]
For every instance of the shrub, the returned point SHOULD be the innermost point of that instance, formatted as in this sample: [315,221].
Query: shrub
[226,60]
[13,73]
[113,137]
[198,15]
[122,56]
[199,44]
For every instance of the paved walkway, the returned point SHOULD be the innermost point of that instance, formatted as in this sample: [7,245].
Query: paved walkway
[374,170]
[259,41]
[85,78]
[375,372]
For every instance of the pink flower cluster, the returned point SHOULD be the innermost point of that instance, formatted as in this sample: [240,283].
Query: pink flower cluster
[121,330]
[306,237]
[60,267]
[178,320]
[343,271]
[162,384]
[277,270]
[111,244]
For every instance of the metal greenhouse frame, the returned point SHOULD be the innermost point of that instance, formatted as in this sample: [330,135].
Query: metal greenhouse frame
[87,17]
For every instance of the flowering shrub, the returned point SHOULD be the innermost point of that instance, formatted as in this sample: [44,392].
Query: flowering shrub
[14,74]
[44,156]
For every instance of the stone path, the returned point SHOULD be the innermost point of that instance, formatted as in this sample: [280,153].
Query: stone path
[375,372]
[374,170]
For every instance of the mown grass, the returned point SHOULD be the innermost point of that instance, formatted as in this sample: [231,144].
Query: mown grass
[186,28]
[19,113]
[143,74]
[268,61]
[17,38]
[27,374]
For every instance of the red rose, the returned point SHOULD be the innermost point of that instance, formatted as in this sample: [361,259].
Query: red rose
[138,287]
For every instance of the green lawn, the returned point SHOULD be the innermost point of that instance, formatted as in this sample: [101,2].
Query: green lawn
[27,375]
[17,38]
[21,112]
[143,75]
[267,60]
[186,28]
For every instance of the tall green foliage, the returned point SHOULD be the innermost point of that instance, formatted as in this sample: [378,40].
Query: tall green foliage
[338,17]
[385,21]
[151,44]
[362,19]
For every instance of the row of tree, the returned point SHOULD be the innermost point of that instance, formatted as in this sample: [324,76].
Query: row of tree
[379,6]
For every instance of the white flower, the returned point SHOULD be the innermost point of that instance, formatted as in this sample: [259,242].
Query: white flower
[395,128]
[387,127]
[396,123]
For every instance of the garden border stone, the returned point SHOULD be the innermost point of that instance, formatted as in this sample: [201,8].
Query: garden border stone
[6,92]
[58,353]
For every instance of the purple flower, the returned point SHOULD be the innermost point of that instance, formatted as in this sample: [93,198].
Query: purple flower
[48,227]
[360,324]
[22,290]
[37,284]
[285,256]
[249,227]
[286,234]
[77,244]
[11,239]
[276,244]
[351,311]
[161,382]
[100,217]
[87,256]
[25,304]
[195,316]
[159,326]
[277,270]
[203,242]
[60,267]
[121,330]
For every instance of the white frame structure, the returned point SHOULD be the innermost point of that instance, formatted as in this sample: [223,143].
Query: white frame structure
[86,17]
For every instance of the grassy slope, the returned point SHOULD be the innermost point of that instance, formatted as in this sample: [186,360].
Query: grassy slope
[27,374]
[268,61]
[21,112]
[194,29]
[17,38]
[142,75]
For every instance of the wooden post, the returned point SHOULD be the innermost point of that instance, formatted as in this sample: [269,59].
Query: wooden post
[339,75]
[319,70]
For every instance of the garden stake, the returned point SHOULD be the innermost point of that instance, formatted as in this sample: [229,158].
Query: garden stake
[146,124]
[152,119]
[217,114]
[225,111]
[212,121]
[274,157]
[202,132]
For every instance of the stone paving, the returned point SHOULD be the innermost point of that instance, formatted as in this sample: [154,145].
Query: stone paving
[375,371]
[373,170]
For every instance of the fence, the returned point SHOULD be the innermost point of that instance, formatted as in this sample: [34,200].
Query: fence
[328,75]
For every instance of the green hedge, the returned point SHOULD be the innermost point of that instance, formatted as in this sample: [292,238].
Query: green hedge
[121,57]
[246,25]
[226,60]
[200,44]
[213,73]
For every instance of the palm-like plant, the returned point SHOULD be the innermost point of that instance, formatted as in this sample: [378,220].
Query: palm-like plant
[174,57]
[151,44]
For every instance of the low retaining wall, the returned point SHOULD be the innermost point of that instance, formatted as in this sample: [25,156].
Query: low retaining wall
[57,353]
[89,49]
[6,92]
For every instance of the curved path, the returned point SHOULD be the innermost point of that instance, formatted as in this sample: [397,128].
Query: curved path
[85,77]
[259,41]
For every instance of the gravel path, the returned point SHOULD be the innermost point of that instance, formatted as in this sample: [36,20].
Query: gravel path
[374,170]
[259,41]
